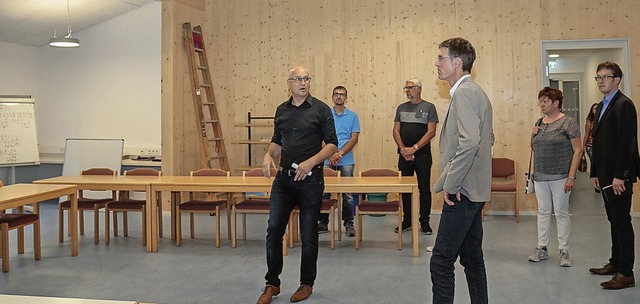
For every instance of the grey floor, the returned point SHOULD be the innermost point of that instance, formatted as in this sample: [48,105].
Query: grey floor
[198,272]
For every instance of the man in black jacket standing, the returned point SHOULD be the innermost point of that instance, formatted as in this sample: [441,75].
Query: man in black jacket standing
[614,170]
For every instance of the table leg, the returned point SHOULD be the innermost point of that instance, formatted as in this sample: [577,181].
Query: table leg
[152,219]
[175,199]
[37,242]
[73,219]
[415,214]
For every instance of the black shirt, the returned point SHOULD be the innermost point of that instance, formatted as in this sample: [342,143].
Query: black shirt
[301,130]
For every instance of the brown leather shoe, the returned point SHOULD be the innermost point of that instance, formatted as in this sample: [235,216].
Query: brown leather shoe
[303,292]
[268,292]
[607,269]
[619,282]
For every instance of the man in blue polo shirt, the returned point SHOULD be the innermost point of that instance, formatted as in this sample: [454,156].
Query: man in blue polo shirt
[347,130]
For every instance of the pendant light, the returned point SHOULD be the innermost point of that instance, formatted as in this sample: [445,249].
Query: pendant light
[67,41]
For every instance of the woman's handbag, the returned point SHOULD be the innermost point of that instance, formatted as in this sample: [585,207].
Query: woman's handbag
[583,164]
[529,189]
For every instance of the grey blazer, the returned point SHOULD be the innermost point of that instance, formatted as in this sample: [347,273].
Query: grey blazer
[465,144]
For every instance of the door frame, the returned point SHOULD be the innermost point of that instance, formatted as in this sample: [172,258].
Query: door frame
[585,44]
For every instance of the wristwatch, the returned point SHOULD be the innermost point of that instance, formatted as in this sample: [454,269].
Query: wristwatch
[415,147]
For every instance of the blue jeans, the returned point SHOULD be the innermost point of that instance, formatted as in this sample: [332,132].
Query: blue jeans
[459,234]
[347,198]
[285,195]
[422,167]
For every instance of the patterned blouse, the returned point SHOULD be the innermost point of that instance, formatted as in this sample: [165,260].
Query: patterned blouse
[552,149]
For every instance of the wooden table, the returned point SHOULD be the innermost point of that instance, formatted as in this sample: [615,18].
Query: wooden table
[18,195]
[120,183]
[152,185]
[238,184]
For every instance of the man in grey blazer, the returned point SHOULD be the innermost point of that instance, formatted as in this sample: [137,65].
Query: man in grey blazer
[465,161]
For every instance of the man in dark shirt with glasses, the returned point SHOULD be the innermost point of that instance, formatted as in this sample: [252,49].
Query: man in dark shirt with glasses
[301,124]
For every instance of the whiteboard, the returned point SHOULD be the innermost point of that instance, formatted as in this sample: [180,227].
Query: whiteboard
[18,136]
[84,153]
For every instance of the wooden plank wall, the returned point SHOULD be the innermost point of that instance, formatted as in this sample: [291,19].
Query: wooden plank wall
[372,46]
[179,128]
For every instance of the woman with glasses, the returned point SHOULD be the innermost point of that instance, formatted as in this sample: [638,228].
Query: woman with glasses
[557,150]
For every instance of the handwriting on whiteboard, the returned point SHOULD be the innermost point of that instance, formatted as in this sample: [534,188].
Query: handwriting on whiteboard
[17,133]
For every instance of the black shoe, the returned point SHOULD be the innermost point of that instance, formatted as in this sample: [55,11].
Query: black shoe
[426,229]
[322,227]
[405,227]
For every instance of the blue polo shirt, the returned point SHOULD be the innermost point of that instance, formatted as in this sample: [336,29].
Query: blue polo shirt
[346,123]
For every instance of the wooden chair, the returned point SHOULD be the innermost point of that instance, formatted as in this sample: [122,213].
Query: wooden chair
[18,221]
[329,206]
[124,204]
[193,206]
[368,207]
[505,181]
[84,203]
[252,205]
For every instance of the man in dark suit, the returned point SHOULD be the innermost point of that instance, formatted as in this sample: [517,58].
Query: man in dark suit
[614,169]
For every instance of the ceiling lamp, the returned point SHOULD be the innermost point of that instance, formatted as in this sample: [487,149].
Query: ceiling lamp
[67,41]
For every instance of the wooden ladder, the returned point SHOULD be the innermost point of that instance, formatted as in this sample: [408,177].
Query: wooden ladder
[211,142]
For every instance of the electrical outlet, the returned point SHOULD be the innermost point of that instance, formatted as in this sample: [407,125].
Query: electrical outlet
[152,152]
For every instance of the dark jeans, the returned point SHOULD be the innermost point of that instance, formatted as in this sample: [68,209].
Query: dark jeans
[459,234]
[618,209]
[347,198]
[285,195]
[421,165]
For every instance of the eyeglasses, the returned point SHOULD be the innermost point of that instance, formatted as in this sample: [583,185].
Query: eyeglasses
[604,78]
[408,88]
[300,79]
[339,94]
[440,58]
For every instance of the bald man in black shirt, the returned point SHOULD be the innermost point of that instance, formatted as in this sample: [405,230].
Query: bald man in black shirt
[301,124]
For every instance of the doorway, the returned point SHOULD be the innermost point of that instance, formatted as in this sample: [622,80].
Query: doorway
[571,92]
[570,65]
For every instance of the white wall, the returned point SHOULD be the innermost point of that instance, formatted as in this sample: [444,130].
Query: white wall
[18,69]
[109,87]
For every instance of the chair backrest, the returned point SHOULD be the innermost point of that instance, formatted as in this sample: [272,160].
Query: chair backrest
[258,172]
[99,171]
[380,172]
[330,172]
[502,167]
[143,172]
[210,172]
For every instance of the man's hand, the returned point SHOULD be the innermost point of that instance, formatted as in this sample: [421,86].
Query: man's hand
[267,164]
[303,170]
[335,159]
[448,201]
[618,186]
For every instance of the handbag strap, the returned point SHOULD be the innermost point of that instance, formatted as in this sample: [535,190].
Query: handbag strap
[538,123]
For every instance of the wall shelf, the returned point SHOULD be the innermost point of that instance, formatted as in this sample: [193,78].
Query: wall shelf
[253,122]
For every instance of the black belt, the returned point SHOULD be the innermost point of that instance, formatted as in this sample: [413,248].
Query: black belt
[292,172]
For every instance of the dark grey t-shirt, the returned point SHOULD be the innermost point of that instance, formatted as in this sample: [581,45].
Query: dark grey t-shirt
[414,119]
[552,149]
